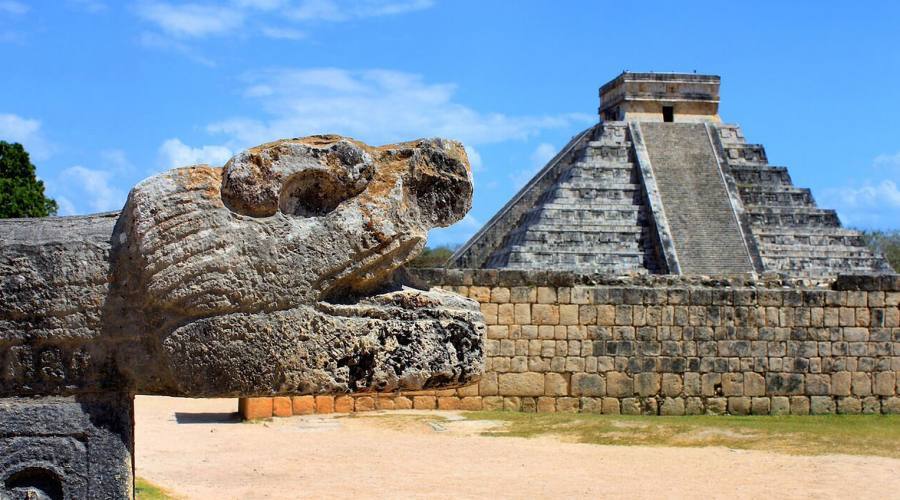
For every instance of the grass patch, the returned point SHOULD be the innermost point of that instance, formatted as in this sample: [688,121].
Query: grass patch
[145,490]
[803,435]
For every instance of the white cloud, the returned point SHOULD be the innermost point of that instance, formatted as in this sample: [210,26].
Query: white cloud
[89,188]
[26,131]
[887,161]
[334,10]
[378,106]
[191,20]
[175,153]
[543,153]
[12,7]
[157,41]
[283,33]
[872,205]
[474,158]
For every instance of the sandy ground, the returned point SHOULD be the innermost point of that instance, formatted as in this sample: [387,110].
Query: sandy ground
[197,449]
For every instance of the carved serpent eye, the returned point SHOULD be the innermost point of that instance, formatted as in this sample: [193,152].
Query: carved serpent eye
[306,177]
[314,193]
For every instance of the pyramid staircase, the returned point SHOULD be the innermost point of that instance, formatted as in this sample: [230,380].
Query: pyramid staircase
[593,218]
[793,235]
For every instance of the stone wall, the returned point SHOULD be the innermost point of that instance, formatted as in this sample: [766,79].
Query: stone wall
[664,345]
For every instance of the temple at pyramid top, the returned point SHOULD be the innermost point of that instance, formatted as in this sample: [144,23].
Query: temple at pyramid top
[661,185]
[660,97]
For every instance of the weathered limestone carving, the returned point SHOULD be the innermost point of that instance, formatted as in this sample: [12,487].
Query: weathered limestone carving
[272,275]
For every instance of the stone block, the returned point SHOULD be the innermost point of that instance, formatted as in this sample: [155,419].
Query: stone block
[672,384]
[716,406]
[500,295]
[555,384]
[506,314]
[521,384]
[821,405]
[480,293]
[694,406]
[523,294]
[871,405]
[754,384]
[818,384]
[303,405]
[403,403]
[255,408]
[281,407]
[522,314]
[568,314]
[732,384]
[891,406]
[546,295]
[631,406]
[861,384]
[711,384]
[799,405]
[471,403]
[781,405]
[739,405]
[692,384]
[467,390]
[364,403]
[512,403]
[672,406]
[592,405]
[884,383]
[546,404]
[545,314]
[488,385]
[760,406]
[324,404]
[619,384]
[849,406]
[646,384]
[588,384]
[784,384]
[447,403]
[611,406]
[343,404]
[570,405]
[492,403]
[385,403]
[606,315]
[840,384]
[424,402]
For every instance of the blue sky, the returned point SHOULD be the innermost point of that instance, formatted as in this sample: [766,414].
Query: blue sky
[105,93]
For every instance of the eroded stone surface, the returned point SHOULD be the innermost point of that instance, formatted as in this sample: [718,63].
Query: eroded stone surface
[271,275]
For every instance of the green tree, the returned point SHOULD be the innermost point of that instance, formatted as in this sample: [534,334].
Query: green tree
[887,242]
[21,193]
[432,257]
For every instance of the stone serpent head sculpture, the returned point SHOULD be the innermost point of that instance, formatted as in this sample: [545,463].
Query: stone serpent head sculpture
[272,275]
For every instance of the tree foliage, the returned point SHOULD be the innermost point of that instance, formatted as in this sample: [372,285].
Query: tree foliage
[886,242]
[21,193]
[432,257]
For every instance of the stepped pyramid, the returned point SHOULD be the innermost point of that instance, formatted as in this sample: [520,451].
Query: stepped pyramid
[660,185]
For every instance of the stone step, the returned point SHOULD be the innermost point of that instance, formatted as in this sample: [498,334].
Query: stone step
[791,216]
[760,175]
[705,234]
[745,154]
[825,266]
[814,251]
[785,196]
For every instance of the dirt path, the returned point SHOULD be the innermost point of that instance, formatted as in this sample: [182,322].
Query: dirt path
[194,448]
